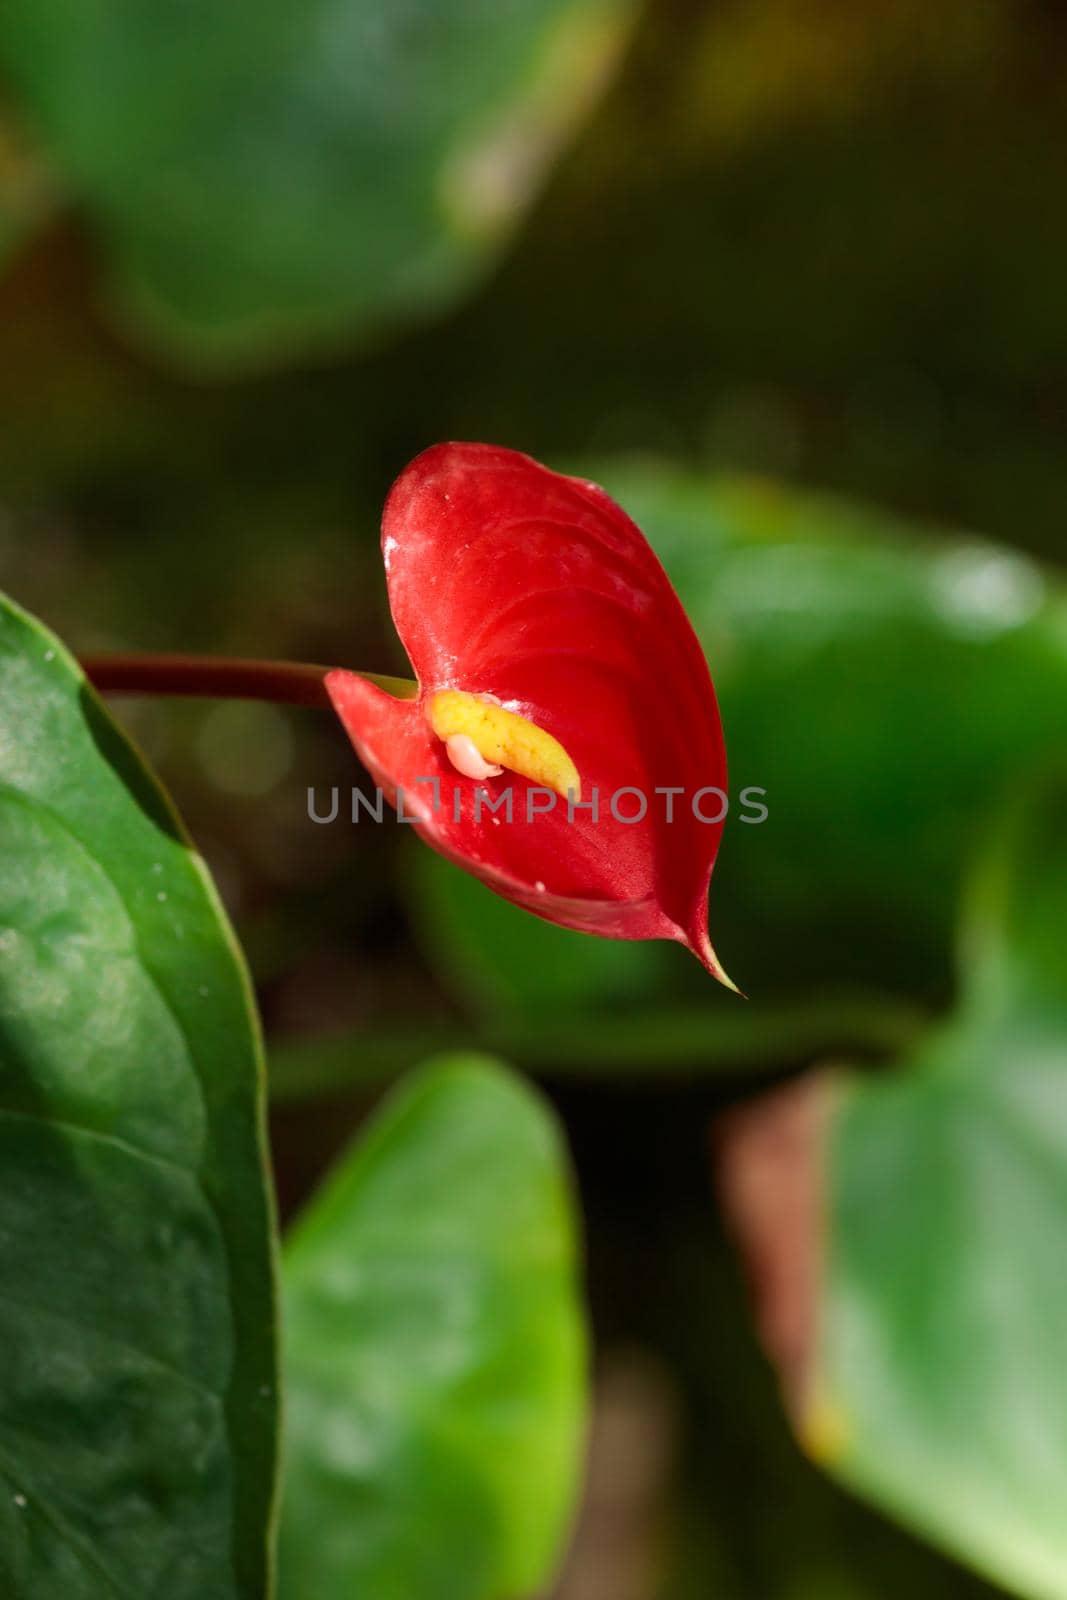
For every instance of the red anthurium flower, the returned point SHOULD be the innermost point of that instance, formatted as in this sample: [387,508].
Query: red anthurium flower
[563,742]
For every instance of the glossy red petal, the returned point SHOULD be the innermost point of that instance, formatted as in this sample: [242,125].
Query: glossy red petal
[508,579]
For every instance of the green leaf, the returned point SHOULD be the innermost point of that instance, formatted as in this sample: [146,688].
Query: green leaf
[888,685]
[435,1352]
[269,175]
[137,1386]
[941,1386]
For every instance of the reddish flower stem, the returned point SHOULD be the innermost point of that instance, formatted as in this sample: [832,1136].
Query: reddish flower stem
[293,683]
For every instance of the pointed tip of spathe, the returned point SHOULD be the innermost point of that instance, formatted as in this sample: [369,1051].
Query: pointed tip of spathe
[702,948]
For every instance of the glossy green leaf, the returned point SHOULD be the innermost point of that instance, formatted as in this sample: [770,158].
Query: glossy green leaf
[435,1352]
[137,1381]
[275,174]
[941,1386]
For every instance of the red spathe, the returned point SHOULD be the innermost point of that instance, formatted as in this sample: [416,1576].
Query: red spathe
[508,579]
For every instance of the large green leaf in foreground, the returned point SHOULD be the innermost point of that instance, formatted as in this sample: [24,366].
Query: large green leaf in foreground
[282,171]
[941,1388]
[435,1352]
[137,1376]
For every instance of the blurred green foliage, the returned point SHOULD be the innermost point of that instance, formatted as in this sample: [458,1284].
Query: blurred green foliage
[435,1352]
[886,688]
[940,1382]
[268,176]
